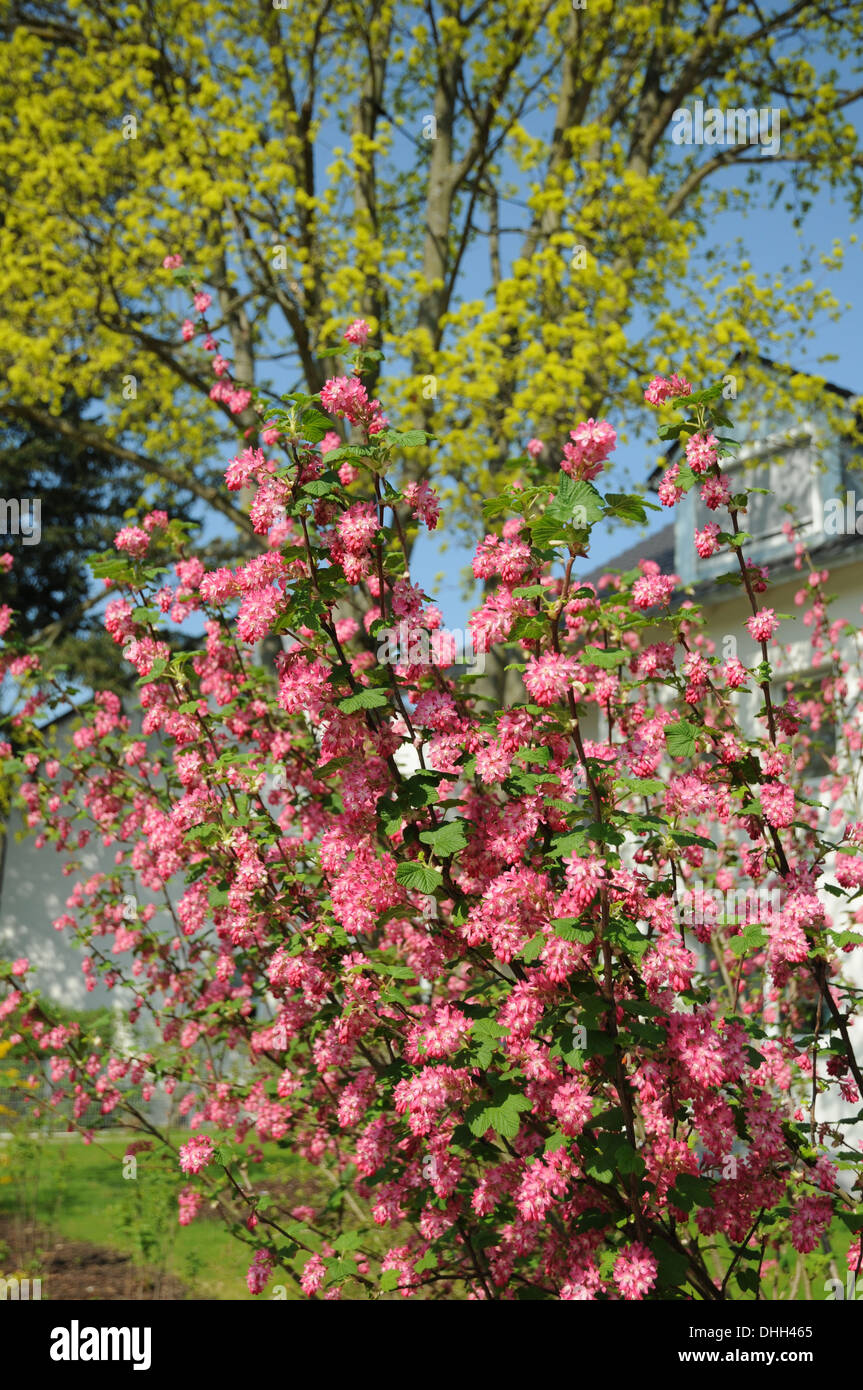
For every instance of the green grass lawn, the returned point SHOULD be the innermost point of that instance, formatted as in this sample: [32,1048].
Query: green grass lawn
[78,1192]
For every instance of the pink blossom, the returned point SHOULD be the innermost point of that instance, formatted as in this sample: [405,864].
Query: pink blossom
[669,492]
[735,673]
[715,493]
[357,527]
[249,464]
[593,441]
[549,677]
[196,1154]
[762,625]
[661,390]
[635,1271]
[346,395]
[258,613]
[705,540]
[357,333]
[313,1276]
[778,801]
[701,452]
[259,1271]
[133,540]
[810,1218]
[190,1203]
[653,588]
[423,502]
[573,1106]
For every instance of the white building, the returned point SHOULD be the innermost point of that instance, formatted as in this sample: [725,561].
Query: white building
[801,464]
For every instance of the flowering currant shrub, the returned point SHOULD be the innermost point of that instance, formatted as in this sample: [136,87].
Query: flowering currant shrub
[436,948]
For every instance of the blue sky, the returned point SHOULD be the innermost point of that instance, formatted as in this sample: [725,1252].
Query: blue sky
[771,242]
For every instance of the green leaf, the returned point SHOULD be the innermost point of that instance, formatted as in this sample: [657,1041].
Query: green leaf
[111,567]
[568,844]
[752,938]
[389,1280]
[447,839]
[398,972]
[533,948]
[845,938]
[354,453]
[629,506]
[318,487]
[488,1028]
[680,739]
[691,1191]
[410,439]
[157,670]
[371,698]
[501,1114]
[534,755]
[420,876]
[643,786]
[598,656]
[548,530]
[672,1266]
[577,502]
[568,930]
[626,1160]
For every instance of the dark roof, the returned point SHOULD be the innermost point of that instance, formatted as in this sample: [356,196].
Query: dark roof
[831,551]
[742,356]
[658,547]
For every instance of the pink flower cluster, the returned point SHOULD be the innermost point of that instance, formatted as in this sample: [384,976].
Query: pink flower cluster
[592,443]
[661,389]
[196,1154]
[762,625]
[433,942]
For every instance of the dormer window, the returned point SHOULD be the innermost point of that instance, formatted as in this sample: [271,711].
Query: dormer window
[785,469]
[787,472]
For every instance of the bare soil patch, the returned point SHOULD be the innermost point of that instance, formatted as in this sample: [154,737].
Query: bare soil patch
[76,1270]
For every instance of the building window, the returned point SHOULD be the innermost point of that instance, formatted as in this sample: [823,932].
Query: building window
[788,478]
